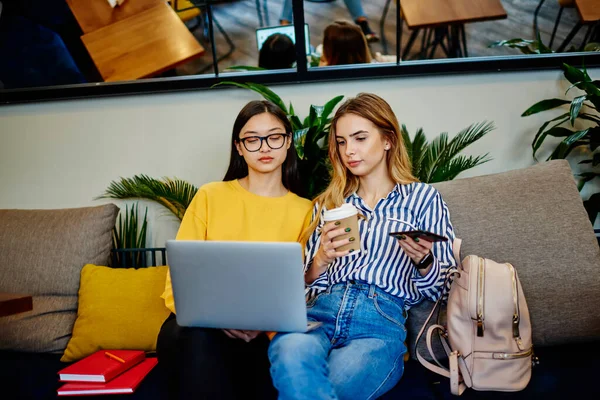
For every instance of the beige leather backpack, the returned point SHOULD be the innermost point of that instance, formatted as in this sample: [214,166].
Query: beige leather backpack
[489,328]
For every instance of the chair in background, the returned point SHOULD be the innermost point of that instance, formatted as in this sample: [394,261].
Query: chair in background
[187,12]
[202,9]
[563,4]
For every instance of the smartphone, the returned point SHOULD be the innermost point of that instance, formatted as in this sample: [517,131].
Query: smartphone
[429,236]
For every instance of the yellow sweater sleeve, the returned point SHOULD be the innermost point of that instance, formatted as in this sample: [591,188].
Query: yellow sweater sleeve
[193,227]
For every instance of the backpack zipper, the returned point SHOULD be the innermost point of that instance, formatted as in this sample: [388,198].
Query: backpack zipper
[516,317]
[511,356]
[480,288]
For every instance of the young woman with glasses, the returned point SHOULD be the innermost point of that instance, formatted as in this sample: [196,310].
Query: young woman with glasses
[362,296]
[256,201]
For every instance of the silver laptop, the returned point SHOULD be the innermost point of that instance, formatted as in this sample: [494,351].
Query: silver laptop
[238,285]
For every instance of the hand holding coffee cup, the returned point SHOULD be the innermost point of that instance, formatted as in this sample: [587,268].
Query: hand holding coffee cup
[339,235]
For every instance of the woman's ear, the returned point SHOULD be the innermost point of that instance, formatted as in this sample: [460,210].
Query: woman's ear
[238,146]
[289,142]
[386,145]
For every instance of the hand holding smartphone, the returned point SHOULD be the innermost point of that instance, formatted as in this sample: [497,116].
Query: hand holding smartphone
[425,235]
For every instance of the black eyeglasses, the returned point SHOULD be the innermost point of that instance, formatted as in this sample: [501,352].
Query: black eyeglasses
[254,143]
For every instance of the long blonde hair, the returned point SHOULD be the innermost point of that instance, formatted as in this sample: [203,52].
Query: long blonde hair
[379,112]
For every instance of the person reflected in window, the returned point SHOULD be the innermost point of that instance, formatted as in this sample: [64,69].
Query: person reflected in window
[344,43]
[354,7]
[277,52]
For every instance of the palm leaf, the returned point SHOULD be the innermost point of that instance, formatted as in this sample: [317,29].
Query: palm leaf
[433,156]
[128,234]
[467,136]
[174,194]
[454,167]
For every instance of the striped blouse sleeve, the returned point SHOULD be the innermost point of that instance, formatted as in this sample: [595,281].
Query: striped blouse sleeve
[310,251]
[436,219]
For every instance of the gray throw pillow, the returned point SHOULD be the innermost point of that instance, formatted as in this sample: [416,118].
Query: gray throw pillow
[42,253]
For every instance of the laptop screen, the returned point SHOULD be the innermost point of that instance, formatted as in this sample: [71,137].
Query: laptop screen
[263,33]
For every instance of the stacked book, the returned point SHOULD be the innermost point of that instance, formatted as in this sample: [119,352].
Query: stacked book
[106,372]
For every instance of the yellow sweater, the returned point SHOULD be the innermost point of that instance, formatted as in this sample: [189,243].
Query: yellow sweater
[227,211]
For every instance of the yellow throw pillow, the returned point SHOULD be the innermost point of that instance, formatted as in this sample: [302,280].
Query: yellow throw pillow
[118,309]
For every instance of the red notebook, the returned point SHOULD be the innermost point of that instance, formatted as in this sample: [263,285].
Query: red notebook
[101,366]
[127,382]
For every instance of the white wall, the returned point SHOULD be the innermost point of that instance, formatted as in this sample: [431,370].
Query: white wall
[64,153]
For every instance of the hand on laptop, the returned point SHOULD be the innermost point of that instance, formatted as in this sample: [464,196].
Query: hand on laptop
[244,335]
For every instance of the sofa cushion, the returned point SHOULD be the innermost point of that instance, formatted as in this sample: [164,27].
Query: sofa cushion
[42,254]
[119,308]
[533,218]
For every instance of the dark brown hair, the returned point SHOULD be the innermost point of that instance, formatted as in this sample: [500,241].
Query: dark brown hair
[344,43]
[277,52]
[238,168]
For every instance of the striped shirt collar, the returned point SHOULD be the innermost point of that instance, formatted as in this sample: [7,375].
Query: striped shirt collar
[398,189]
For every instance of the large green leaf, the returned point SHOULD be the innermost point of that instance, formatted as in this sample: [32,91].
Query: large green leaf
[586,177]
[592,206]
[540,135]
[576,105]
[568,144]
[595,100]
[575,76]
[544,105]
[330,105]
[299,140]
[264,91]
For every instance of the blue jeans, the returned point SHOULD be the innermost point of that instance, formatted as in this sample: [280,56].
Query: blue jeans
[354,7]
[356,354]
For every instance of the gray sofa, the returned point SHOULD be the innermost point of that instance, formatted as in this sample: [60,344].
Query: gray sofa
[531,217]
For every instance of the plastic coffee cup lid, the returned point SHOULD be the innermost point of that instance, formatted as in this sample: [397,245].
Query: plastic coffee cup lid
[344,211]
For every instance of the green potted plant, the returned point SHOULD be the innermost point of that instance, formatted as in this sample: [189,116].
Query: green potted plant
[172,193]
[129,233]
[584,108]
[440,160]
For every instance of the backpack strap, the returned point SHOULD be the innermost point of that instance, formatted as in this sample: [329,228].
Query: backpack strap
[439,369]
[456,251]
[457,386]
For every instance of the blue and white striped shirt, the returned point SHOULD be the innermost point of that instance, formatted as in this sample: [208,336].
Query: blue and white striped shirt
[381,261]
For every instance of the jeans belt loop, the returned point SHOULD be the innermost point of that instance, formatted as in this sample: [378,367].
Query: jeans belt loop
[372,291]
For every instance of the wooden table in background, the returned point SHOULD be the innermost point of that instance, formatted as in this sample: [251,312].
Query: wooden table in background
[142,45]
[436,14]
[92,15]
[589,10]
[429,13]
[11,303]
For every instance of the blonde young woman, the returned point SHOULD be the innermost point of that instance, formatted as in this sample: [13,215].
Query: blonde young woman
[362,295]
